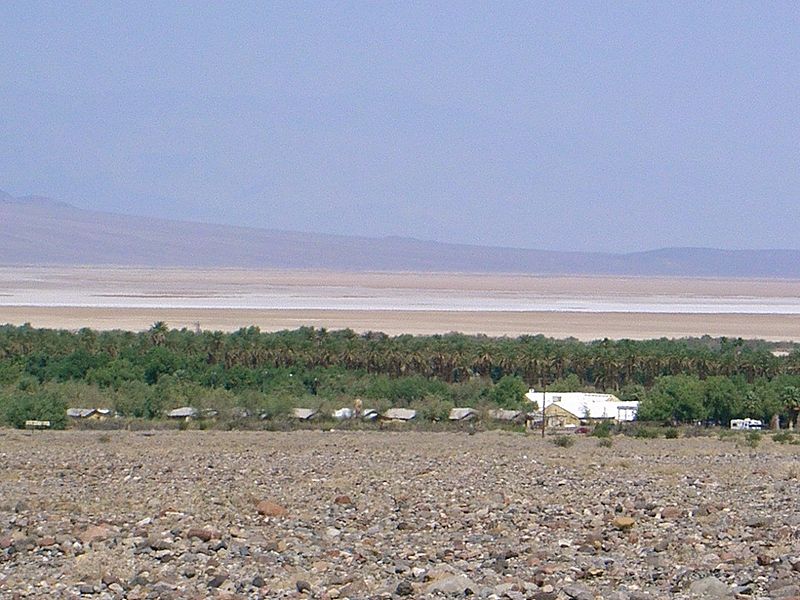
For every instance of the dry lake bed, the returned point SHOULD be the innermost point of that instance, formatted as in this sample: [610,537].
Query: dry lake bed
[418,303]
[200,514]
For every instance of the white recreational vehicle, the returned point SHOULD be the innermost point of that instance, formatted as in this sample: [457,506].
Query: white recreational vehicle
[746,424]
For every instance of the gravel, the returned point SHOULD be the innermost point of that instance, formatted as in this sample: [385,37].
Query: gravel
[208,514]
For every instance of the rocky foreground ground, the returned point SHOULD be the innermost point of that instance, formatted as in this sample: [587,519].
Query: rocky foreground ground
[388,515]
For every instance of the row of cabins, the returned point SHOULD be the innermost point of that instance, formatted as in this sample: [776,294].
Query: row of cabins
[307,414]
[368,414]
[562,410]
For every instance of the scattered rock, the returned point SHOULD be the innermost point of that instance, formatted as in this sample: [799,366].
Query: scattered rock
[765,560]
[496,516]
[453,584]
[578,592]
[271,509]
[404,588]
[759,521]
[710,587]
[94,533]
[158,543]
[623,523]
[332,532]
[205,535]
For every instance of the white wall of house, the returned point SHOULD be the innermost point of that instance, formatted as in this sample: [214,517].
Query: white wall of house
[587,405]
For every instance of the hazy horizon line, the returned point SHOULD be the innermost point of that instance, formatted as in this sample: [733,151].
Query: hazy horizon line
[33,197]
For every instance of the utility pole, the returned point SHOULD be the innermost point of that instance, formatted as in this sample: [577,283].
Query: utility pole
[544,396]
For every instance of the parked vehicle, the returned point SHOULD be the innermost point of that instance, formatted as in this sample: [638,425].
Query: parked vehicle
[746,424]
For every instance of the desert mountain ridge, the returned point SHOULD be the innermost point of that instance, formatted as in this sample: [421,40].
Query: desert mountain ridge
[36,230]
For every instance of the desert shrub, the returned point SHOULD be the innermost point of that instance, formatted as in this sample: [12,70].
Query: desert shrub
[104,438]
[696,431]
[782,437]
[250,401]
[602,430]
[131,399]
[752,439]
[605,442]
[726,434]
[645,433]
[471,392]
[671,433]
[563,441]
[275,406]
[212,398]
[81,394]
[433,408]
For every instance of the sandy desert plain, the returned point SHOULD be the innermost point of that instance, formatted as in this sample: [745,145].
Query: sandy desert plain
[418,303]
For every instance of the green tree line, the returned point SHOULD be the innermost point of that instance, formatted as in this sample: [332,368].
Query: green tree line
[142,374]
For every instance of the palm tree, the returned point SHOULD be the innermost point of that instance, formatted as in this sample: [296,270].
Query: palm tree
[790,398]
[751,403]
[158,333]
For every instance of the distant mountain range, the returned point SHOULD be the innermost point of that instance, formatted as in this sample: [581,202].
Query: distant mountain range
[38,231]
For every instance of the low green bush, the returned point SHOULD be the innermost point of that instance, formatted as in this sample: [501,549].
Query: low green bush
[752,439]
[433,408]
[696,431]
[645,433]
[671,433]
[563,441]
[602,430]
[606,442]
[275,406]
[782,437]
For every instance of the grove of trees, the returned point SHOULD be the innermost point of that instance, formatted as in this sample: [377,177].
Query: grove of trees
[143,374]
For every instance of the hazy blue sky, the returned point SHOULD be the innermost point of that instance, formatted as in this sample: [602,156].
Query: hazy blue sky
[587,126]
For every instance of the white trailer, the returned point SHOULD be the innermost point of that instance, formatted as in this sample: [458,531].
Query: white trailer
[746,424]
